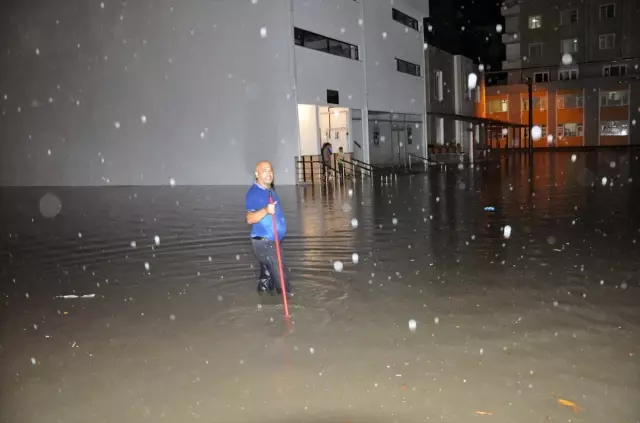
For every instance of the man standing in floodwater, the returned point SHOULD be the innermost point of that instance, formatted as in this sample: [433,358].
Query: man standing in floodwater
[260,214]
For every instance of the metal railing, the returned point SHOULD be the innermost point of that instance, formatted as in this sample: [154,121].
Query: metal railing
[311,169]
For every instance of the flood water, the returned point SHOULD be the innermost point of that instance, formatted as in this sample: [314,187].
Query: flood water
[508,329]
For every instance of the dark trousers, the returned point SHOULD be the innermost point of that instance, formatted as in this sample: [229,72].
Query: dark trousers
[270,278]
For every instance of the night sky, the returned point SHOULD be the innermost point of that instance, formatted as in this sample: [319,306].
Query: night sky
[467,27]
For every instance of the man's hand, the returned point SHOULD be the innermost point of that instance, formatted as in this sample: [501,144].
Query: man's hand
[271,209]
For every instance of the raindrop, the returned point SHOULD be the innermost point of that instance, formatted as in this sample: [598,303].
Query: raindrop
[133,244]
[436,320]
[156,239]
[384,35]
[263,32]
[117,125]
[394,221]
[354,223]
[143,118]
[536,133]
[574,158]
[338,265]
[50,205]
[412,325]
[33,360]
[146,266]
[172,182]
[499,28]
[472,80]
[506,232]
[567,59]
[355,258]
[604,180]
[350,192]
[549,138]
[172,317]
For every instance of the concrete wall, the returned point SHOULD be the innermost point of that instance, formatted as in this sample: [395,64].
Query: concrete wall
[317,71]
[309,133]
[386,40]
[440,60]
[79,76]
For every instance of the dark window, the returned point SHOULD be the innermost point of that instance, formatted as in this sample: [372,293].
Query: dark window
[404,19]
[328,45]
[409,135]
[408,67]
[607,11]
[333,97]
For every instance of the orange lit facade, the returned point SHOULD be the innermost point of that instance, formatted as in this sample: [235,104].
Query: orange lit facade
[569,114]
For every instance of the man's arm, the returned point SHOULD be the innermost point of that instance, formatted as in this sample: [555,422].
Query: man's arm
[256,216]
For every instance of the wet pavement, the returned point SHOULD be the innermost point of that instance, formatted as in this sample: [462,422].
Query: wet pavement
[512,325]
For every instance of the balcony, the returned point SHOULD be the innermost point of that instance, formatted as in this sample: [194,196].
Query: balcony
[510,38]
[511,9]
[512,64]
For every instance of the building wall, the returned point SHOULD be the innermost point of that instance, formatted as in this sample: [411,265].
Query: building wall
[386,40]
[80,77]
[590,115]
[317,71]
[440,60]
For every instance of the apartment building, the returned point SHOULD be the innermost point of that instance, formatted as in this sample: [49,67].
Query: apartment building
[131,93]
[583,58]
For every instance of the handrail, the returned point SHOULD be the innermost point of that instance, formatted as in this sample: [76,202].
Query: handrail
[364,164]
[358,166]
[428,160]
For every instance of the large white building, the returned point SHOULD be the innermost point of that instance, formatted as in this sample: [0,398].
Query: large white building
[142,93]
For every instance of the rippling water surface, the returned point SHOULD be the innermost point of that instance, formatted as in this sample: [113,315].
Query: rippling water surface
[507,326]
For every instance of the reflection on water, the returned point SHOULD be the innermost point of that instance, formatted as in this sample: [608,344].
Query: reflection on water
[427,236]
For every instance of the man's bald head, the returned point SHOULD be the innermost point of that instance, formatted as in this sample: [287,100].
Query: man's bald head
[264,174]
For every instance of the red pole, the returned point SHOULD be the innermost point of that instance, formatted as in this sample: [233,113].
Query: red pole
[282,284]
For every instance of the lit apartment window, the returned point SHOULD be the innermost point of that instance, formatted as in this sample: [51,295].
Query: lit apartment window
[438,85]
[539,103]
[535,22]
[535,50]
[614,70]
[614,128]
[614,98]
[569,17]
[570,130]
[540,77]
[497,106]
[404,19]
[607,41]
[567,74]
[569,45]
[328,45]
[570,101]
[607,11]
[407,67]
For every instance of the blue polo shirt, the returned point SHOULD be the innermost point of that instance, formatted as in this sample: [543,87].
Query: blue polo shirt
[258,198]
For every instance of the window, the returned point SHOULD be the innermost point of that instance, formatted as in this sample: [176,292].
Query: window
[541,77]
[407,67]
[539,103]
[567,74]
[404,19]
[409,135]
[570,130]
[607,11]
[614,70]
[570,101]
[535,22]
[619,128]
[535,50]
[614,98]
[569,17]
[607,41]
[497,106]
[438,88]
[328,45]
[333,97]
[569,45]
